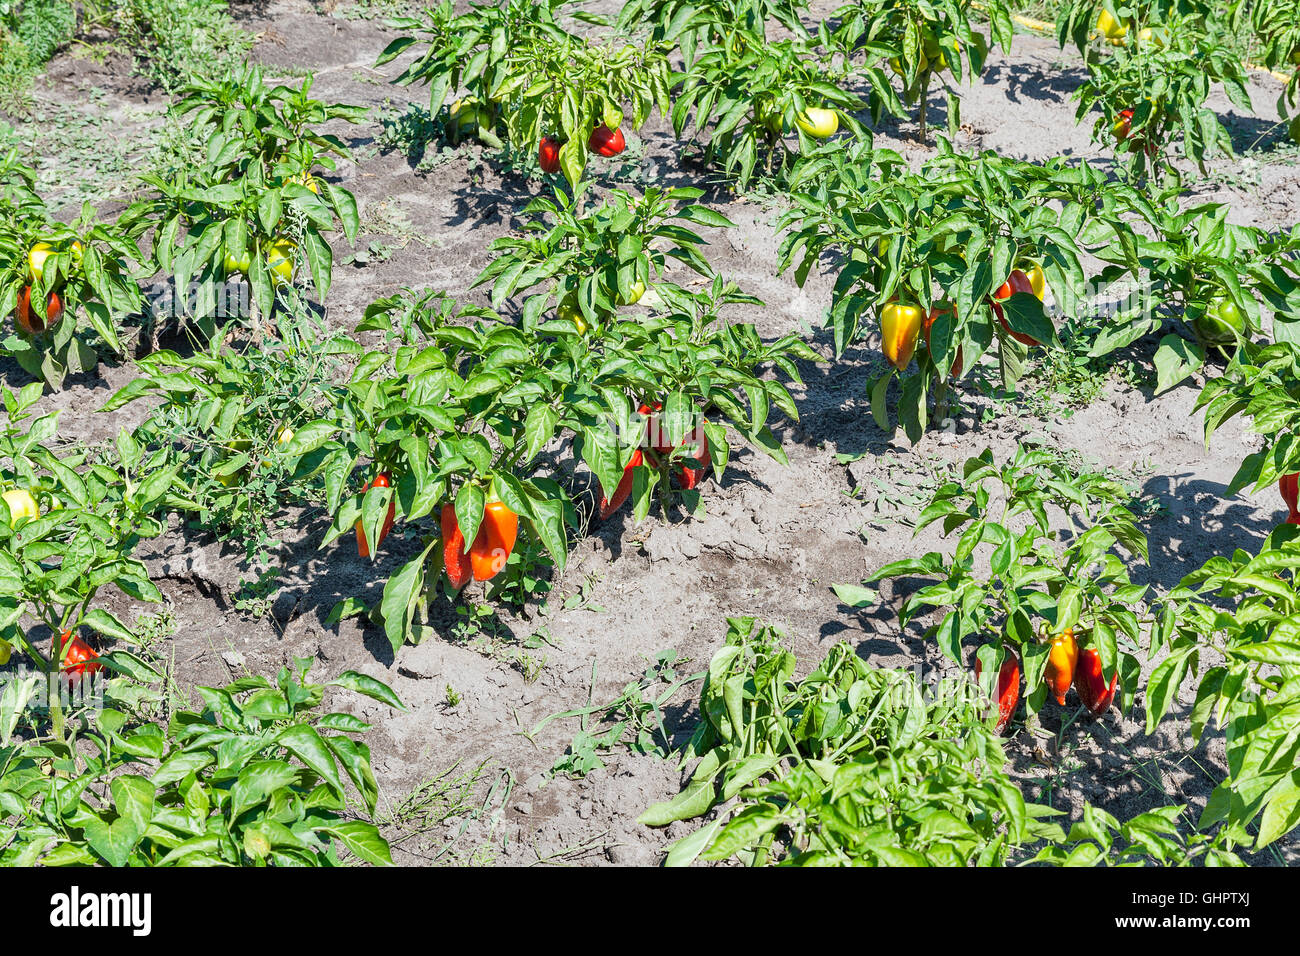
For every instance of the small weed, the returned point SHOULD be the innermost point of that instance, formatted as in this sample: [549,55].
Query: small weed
[632,718]
[152,628]
[256,598]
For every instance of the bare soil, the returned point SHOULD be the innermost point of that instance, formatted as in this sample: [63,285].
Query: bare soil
[775,538]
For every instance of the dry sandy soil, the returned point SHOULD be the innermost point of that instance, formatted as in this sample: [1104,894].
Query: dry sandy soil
[775,538]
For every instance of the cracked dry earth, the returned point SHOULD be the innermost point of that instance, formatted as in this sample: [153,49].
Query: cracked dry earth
[774,538]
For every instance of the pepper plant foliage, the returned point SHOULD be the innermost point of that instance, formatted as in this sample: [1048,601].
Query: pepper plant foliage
[257,777]
[1040,581]
[468,405]
[1166,81]
[697,25]
[1262,384]
[1186,260]
[89,267]
[852,764]
[243,422]
[949,233]
[595,258]
[522,70]
[1275,29]
[93,514]
[923,39]
[747,97]
[256,199]
[1240,615]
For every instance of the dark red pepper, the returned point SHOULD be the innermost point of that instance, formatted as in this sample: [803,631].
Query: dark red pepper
[363,548]
[609,505]
[1090,683]
[1008,689]
[1289,486]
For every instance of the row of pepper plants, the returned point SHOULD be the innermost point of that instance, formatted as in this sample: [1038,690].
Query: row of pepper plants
[468,424]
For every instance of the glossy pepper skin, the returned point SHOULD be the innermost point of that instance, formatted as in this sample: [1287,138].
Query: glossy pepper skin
[1062,658]
[455,558]
[935,312]
[690,477]
[79,658]
[609,505]
[1289,486]
[606,142]
[494,542]
[1122,126]
[1090,684]
[656,435]
[548,154]
[382,480]
[1008,689]
[1037,279]
[900,326]
[1016,282]
[29,320]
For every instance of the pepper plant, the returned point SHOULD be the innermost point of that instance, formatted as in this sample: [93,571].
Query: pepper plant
[257,777]
[1262,384]
[1195,265]
[852,764]
[1275,32]
[922,40]
[1040,583]
[1237,615]
[256,207]
[468,405]
[592,262]
[241,423]
[696,26]
[942,257]
[747,98]
[68,286]
[521,70]
[1152,93]
[69,527]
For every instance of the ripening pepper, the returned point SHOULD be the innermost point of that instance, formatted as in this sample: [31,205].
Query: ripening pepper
[1061,660]
[455,558]
[1037,278]
[690,477]
[1016,282]
[900,326]
[1289,486]
[495,540]
[935,312]
[609,505]
[382,480]
[656,434]
[1008,689]
[1090,683]
[75,657]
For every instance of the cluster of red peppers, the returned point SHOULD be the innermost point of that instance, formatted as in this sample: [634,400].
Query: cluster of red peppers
[658,445]
[604,142]
[1067,664]
[491,548]
[482,560]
